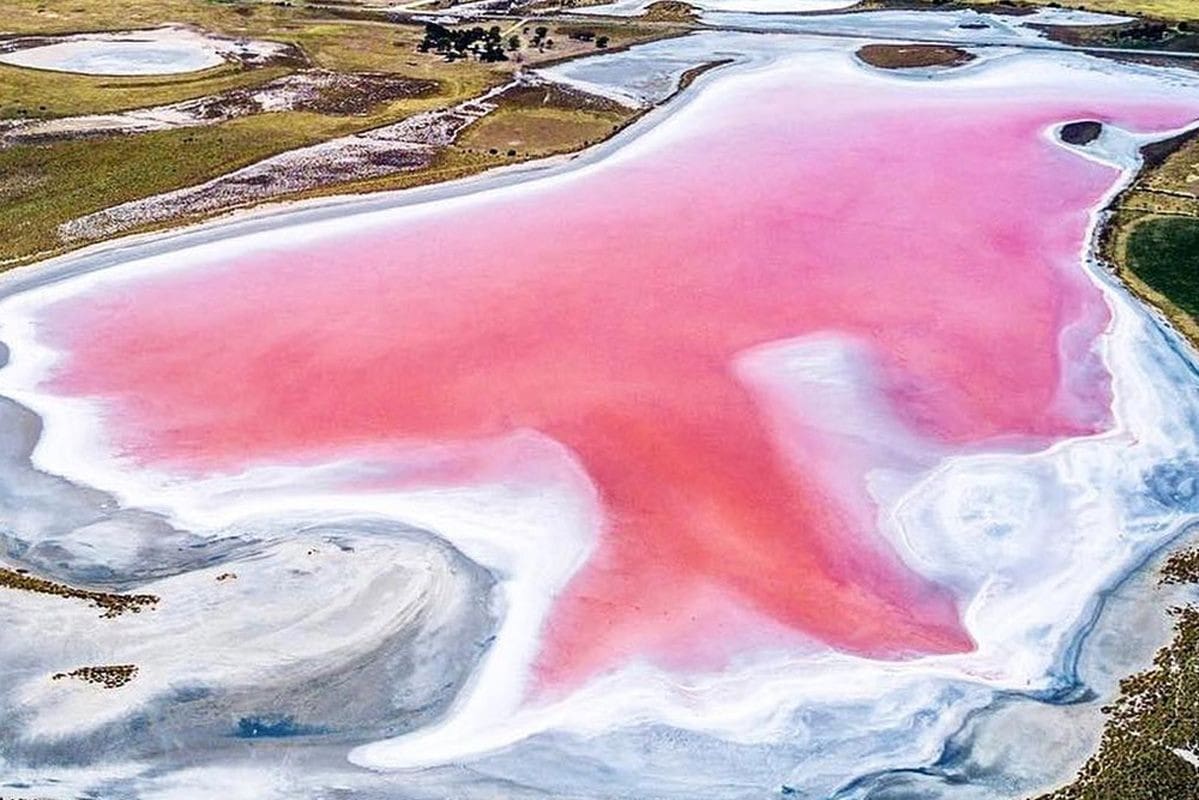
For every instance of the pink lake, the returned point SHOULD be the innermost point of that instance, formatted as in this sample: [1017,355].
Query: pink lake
[937,228]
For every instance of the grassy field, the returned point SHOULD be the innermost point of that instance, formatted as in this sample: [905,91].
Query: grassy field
[233,18]
[1164,253]
[40,186]
[540,121]
[1162,9]
[42,192]
[539,132]
[42,94]
[1153,236]
[1175,10]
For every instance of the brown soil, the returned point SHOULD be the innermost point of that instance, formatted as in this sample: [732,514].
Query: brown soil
[558,96]
[670,11]
[358,93]
[689,77]
[911,56]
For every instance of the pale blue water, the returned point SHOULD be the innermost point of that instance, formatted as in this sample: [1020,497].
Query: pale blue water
[107,57]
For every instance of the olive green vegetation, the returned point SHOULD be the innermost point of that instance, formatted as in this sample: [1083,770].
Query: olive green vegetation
[1170,10]
[47,95]
[45,185]
[1164,253]
[1152,237]
[1162,9]
[75,16]
[540,121]
[41,185]
[540,131]
[1153,727]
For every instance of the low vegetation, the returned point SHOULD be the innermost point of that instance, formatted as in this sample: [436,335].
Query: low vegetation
[1160,9]
[1166,36]
[1150,747]
[39,182]
[111,603]
[1164,253]
[28,93]
[1153,238]
[670,11]
[1167,10]
[544,120]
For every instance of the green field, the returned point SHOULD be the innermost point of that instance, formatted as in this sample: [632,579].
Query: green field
[1153,240]
[1164,253]
[1162,9]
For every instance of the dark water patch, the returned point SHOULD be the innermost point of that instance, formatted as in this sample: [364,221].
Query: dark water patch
[272,727]
[1081,133]
[190,694]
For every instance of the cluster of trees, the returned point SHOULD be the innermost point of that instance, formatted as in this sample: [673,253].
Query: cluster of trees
[1149,32]
[488,44]
[589,36]
[539,39]
[485,45]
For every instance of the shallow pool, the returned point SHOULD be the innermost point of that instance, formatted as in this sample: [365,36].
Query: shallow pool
[118,56]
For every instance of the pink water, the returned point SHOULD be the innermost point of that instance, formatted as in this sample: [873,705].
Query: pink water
[941,230]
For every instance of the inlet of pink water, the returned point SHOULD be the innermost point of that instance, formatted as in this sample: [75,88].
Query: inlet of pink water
[939,229]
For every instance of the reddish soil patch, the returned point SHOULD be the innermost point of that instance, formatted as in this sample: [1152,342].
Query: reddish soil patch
[910,56]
